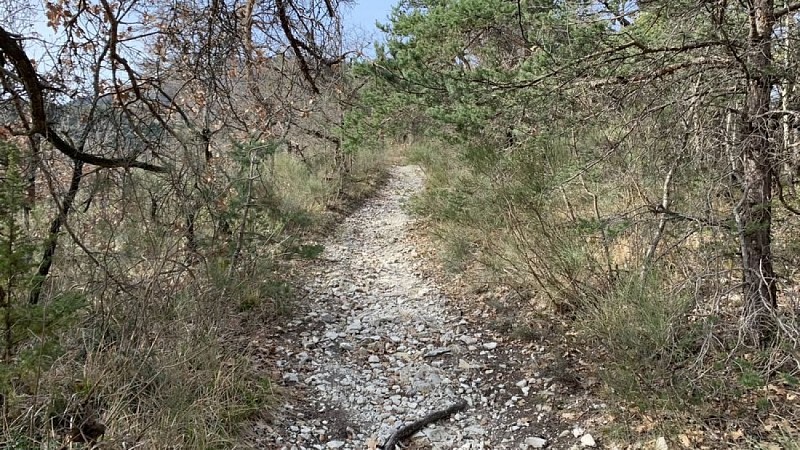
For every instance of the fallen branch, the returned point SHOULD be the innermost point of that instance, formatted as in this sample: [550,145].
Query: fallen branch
[409,430]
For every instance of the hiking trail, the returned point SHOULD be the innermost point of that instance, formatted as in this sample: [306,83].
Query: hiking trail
[377,345]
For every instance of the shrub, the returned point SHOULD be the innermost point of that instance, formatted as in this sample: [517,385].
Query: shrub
[641,327]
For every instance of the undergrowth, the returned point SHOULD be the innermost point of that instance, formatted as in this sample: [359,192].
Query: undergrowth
[140,340]
[661,333]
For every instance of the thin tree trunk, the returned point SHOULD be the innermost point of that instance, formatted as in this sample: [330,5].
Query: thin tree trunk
[754,211]
[787,93]
[55,228]
[251,176]
[30,177]
[191,238]
[662,225]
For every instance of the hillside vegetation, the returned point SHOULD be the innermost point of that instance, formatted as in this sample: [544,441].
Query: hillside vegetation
[628,169]
[161,169]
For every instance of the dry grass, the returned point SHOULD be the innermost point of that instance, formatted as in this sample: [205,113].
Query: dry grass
[665,336]
[159,352]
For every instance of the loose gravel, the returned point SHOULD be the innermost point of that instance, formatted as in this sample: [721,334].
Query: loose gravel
[377,345]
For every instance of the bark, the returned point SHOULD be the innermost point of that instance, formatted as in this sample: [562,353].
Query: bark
[787,103]
[754,211]
[55,228]
[191,237]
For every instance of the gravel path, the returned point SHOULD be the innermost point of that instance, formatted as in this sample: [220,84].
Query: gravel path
[377,345]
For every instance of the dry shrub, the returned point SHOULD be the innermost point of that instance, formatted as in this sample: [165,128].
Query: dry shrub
[663,330]
[157,351]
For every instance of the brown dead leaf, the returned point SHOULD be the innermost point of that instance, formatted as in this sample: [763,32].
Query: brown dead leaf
[372,444]
[645,427]
[769,446]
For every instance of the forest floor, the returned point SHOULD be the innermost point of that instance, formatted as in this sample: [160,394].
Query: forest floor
[381,337]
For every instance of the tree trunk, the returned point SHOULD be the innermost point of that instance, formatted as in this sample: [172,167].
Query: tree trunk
[787,95]
[754,211]
[55,228]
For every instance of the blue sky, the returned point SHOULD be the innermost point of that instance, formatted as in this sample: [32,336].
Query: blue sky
[359,23]
[361,17]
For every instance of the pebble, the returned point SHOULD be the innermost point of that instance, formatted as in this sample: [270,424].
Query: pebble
[469,340]
[535,442]
[437,352]
[327,318]
[331,335]
[291,377]
[587,440]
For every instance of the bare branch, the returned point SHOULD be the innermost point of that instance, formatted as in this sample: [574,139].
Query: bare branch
[786,10]
[39,123]
[295,44]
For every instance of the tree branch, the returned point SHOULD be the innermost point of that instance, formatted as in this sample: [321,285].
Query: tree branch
[295,44]
[331,10]
[39,124]
[664,71]
[786,10]
[674,215]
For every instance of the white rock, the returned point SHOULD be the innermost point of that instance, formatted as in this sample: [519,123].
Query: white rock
[577,432]
[291,377]
[436,352]
[462,364]
[374,359]
[474,430]
[469,340]
[490,345]
[331,335]
[587,440]
[327,318]
[335,444]
[535,442]
[437,434]
[661,444]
